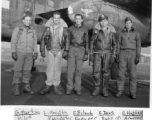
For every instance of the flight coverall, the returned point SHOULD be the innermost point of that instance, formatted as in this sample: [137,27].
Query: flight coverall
[24,43]
[129,49]
[77,51]
[104,47]
[56,41]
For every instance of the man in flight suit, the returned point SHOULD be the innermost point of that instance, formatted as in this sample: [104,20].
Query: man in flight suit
[103,54]
[78,52]
[24,50]
[55,38]
[129,49]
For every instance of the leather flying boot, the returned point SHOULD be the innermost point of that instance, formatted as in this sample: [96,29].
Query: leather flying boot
[27,89]
[57,90]
[78,92]
[105,93]
[68,92]
[16,89]
[96,91]
[119,93]
[133,95]
[46,89]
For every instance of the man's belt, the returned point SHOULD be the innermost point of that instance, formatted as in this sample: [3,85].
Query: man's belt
[102,53]
[108,51]
[77,45]
[127,49]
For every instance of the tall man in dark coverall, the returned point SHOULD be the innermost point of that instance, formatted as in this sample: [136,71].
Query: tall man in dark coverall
[78,52]
[103,54]
[129,49]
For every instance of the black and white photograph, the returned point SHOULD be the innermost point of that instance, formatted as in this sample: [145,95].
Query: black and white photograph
[86,53]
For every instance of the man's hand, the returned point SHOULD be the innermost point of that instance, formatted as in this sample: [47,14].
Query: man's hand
[35,56]
[112,59]
[85,58]
[14,56]
[137,59]
[91,57]
[43,54]
[117,59]
[65,55]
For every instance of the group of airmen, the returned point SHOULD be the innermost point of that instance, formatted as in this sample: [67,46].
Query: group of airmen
[73,45]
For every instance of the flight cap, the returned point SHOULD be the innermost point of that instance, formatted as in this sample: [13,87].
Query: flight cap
[102,17]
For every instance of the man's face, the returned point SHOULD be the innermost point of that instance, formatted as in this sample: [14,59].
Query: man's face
[27,21]
[78,20]
[104,23]
[128,24]
[56,19]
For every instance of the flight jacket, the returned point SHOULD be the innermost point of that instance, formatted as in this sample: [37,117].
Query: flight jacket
[101,41]
[47,37]
[24,40]
[129,40]
[79,35]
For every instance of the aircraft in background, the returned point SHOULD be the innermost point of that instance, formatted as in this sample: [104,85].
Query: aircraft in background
[117,10]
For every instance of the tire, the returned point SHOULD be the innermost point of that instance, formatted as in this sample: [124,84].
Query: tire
[114,71]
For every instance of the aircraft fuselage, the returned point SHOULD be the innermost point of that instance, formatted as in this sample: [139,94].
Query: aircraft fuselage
[115,13]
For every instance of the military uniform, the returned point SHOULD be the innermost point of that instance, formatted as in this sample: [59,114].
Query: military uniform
[129,55]
[103,45]
[56,40]
[77,51]
[23,44]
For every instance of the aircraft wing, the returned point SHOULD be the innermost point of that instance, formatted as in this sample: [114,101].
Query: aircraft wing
[140,6]
[63,12]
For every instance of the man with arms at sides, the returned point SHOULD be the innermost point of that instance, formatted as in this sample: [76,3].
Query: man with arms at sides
[55,38]
[24,50]
[78,52]
[129,49]
[103,53]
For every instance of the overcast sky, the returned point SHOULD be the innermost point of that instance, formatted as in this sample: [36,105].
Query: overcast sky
[5,4]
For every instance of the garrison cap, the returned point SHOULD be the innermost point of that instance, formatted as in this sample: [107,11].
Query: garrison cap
[102,17]
[128,19]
